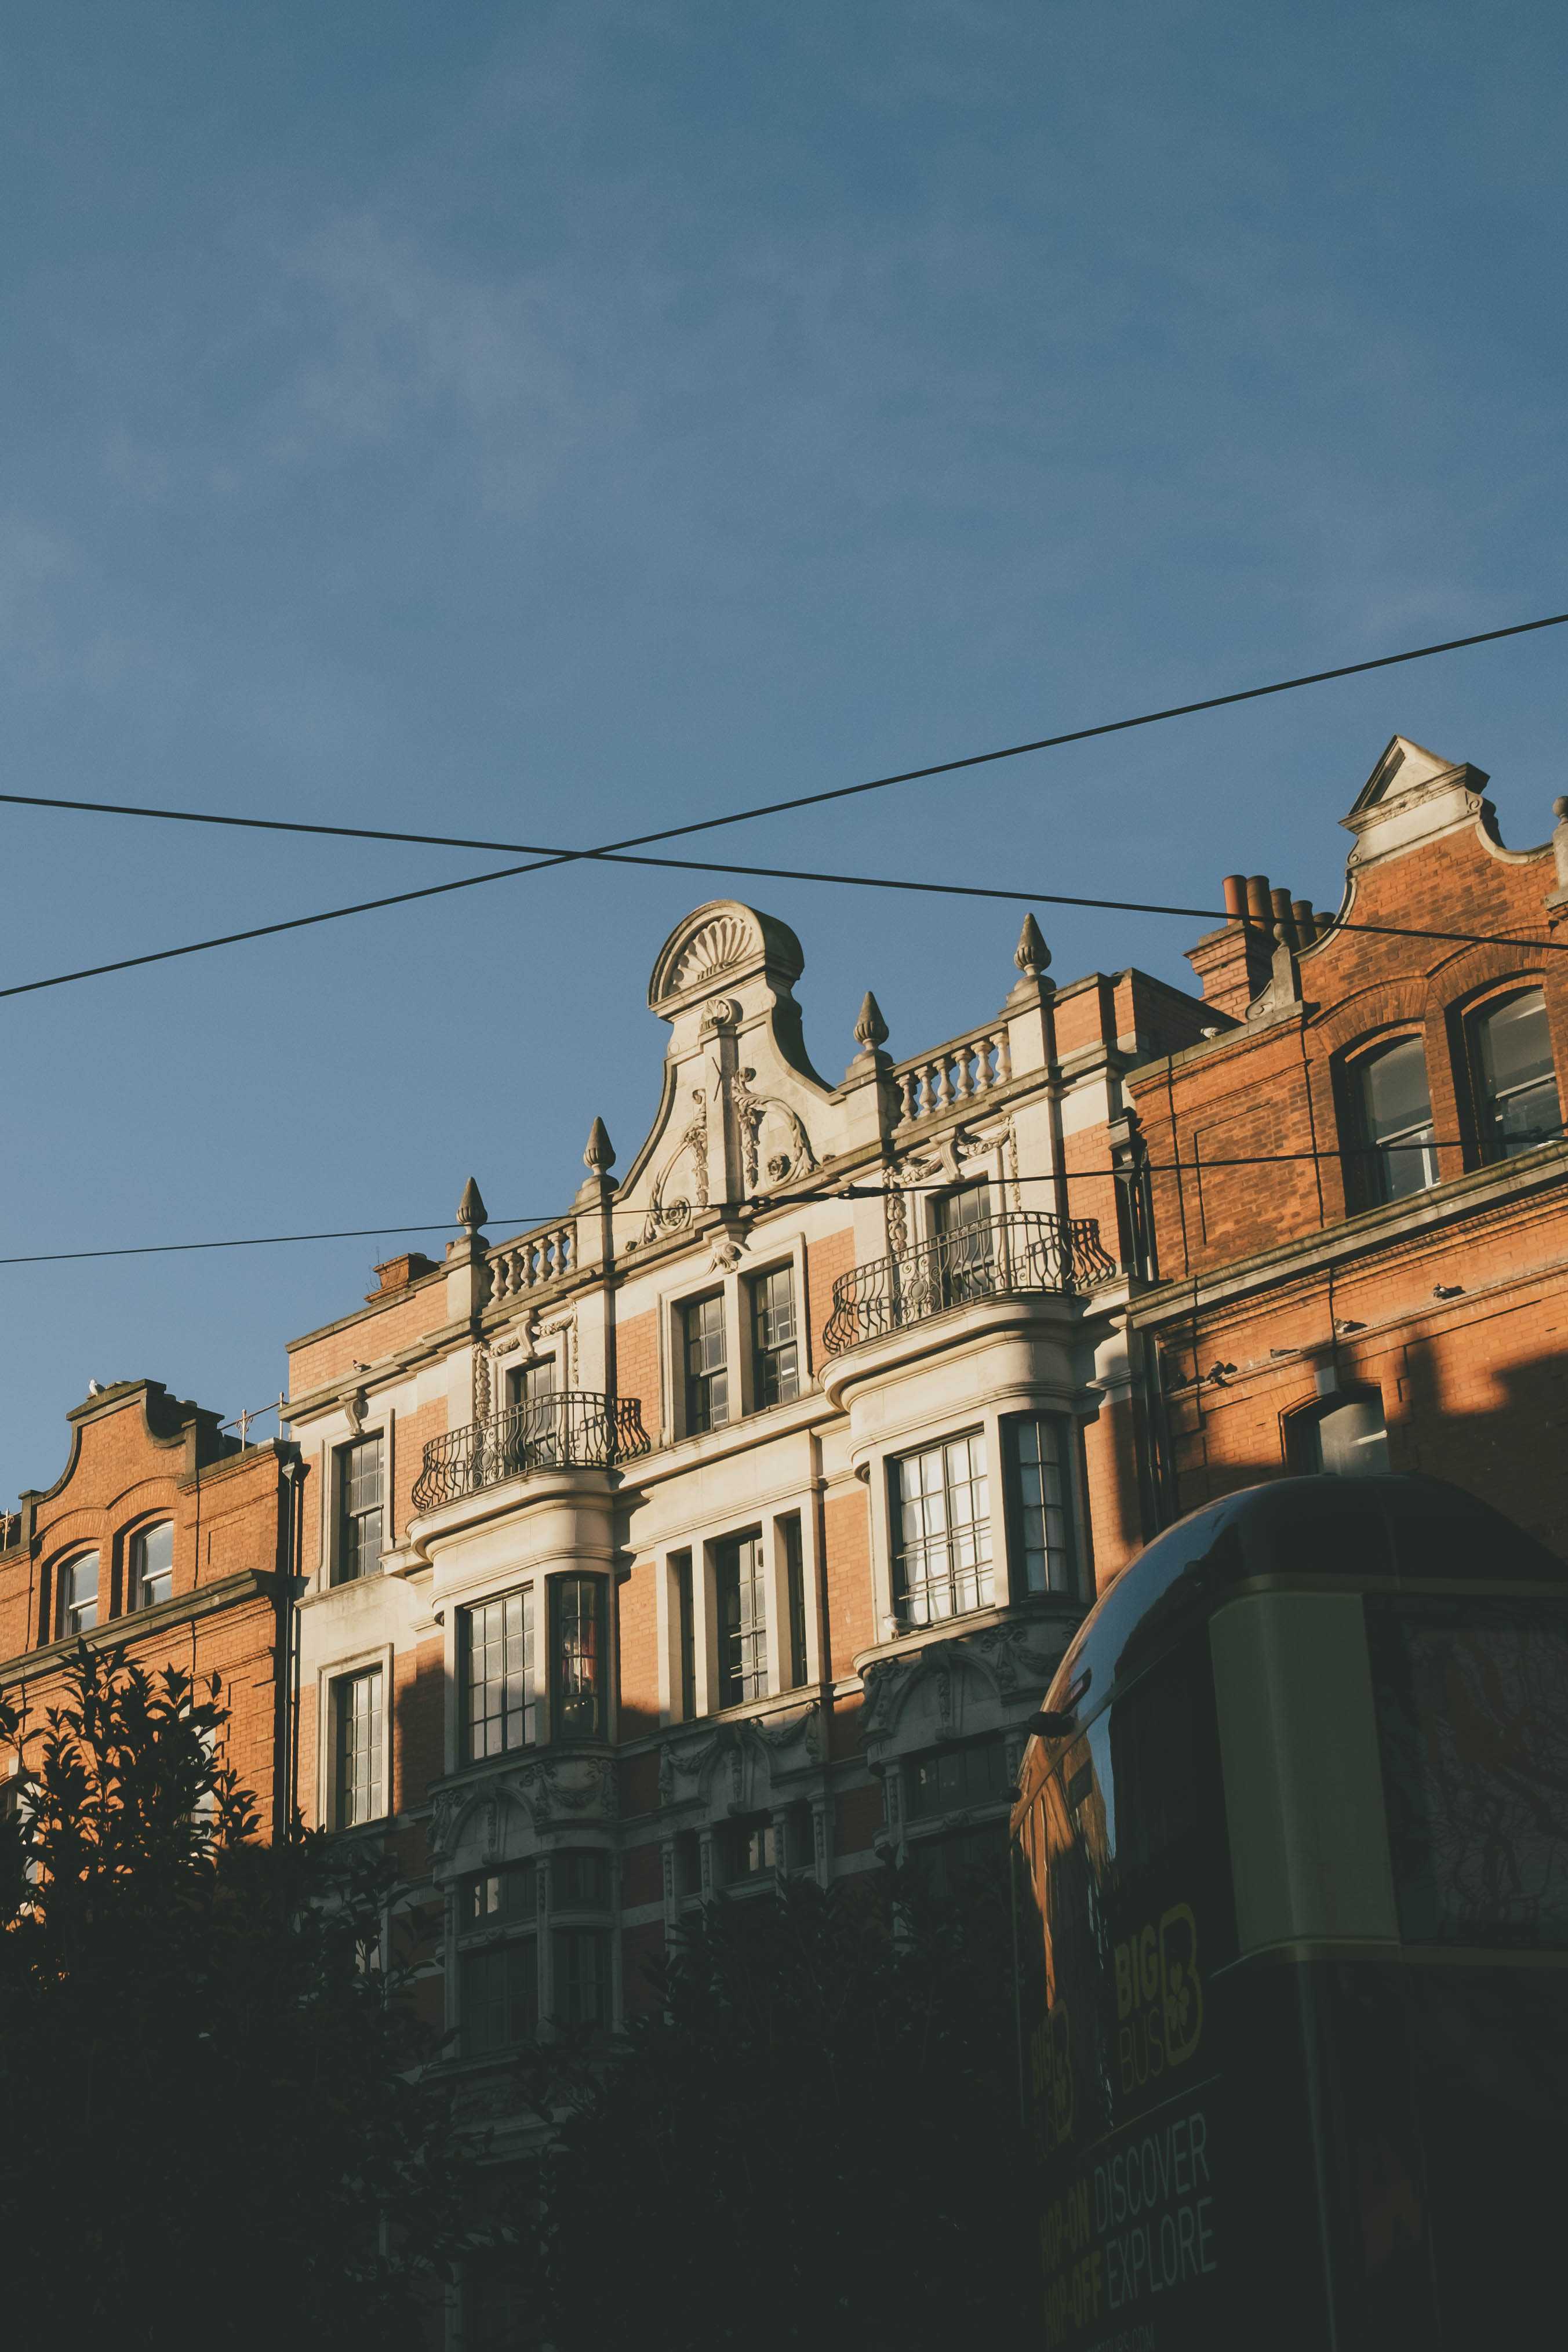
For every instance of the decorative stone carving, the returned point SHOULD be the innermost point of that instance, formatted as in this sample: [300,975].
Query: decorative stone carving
[478,1826]
[575,1787]
[871,1029]
[355,1408]
[739,1765]
[1283,991]
[753,1112]
[1011,1660]
[599,1153]
[935,1167]
[718,947]
[562,1327]
[668,1210]
[1031,955]
[717,941]
[445,1813]
[722,1013]
[471,1209]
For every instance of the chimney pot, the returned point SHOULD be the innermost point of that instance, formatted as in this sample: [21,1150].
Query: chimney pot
[1306,922]
[1235,888]
[1257,902]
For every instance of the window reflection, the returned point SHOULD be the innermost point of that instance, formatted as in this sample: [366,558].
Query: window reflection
[1395,1106]
[1516,1084]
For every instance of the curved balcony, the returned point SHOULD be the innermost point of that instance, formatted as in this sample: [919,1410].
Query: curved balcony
[575,1429]
[1022,1250]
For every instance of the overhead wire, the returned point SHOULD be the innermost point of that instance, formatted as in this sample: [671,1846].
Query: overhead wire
[916,884]
[621,851]
[970,759]
[782,1201]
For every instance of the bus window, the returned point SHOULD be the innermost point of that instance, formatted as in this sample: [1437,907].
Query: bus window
[1472,1715]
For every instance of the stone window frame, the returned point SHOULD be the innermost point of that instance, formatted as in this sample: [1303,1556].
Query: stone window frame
[339,1433]
[497,1584]
[508,1929]
[733,1284]
[700,1546]
[531,1590]
[382,1655]
[1009,1587]
[337,1471]
[995,1520]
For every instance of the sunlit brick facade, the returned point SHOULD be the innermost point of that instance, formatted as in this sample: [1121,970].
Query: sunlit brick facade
[731,1525]
[166,1536]
[1395,1293]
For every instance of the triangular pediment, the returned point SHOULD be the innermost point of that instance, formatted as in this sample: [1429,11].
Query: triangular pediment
[1412,794]
[1407,767]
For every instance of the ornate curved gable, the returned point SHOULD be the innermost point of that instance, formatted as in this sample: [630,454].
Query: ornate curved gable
[722,944]
[743,1109]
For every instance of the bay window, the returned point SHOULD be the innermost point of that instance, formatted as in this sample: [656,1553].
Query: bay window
[942,1532]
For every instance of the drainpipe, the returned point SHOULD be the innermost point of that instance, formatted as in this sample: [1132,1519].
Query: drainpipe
[286,1699]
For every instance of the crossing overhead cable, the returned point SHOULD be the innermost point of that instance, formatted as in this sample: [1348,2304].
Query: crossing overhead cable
[903,775]
[777,874]
[783,1199]
[619,852]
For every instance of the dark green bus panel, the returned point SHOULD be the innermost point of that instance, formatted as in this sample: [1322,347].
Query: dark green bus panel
[1290,1880]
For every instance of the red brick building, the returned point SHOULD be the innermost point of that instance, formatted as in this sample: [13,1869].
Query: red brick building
[1355,1200]
[166,1536]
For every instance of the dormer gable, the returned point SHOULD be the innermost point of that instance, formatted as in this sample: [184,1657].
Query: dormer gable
[1411,795]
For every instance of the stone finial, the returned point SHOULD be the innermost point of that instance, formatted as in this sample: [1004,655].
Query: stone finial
[471,1209]
[599,1153]
[1560,840]
[871,1029]
[1031,955]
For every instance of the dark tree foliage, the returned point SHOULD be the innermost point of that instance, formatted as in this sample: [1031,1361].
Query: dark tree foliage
[815,2141]
[214,2128]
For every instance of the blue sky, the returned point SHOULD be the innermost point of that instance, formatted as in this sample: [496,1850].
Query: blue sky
[550,420]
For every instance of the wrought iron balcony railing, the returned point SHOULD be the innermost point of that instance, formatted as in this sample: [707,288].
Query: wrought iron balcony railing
[576,1426]
[1024,1249]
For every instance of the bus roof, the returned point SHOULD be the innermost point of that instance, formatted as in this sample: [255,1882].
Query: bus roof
[1389,1525]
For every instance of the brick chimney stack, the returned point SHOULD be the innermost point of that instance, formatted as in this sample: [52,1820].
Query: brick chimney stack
[1234,964]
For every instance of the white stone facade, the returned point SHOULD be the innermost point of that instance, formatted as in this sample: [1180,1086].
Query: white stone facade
[775,1668]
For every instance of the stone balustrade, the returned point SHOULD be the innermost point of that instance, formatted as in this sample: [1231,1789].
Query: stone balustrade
[953,1073]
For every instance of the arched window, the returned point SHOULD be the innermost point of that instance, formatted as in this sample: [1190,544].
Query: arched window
[152,1565]
[1393,1109]
[1344,1433]
[79,1594]
[1517,1105]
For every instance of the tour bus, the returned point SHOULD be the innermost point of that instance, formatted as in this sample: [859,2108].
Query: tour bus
[1290,1898]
